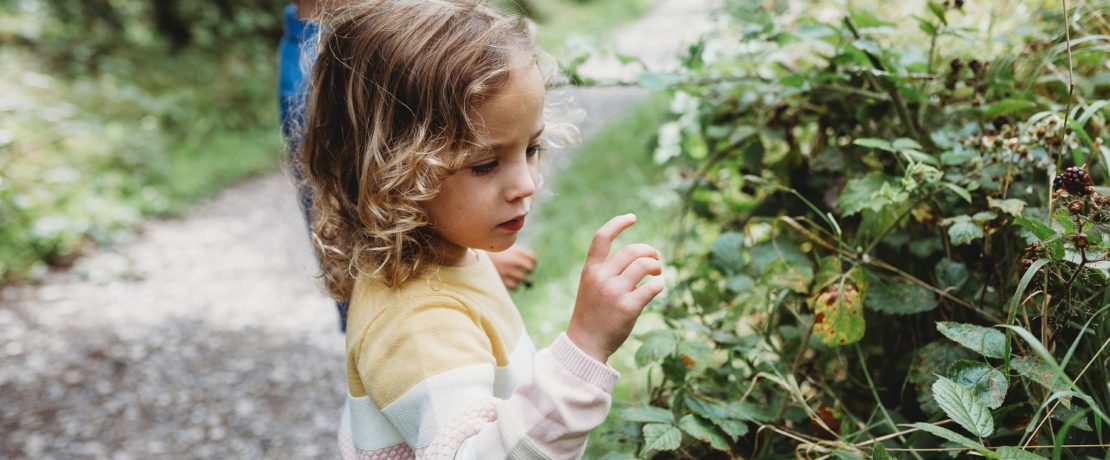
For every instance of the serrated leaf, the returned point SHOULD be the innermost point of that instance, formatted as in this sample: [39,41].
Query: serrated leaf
[949,435]
[648,414]
[703,431]
[656,345]
[734,428]
[661,437]
[986,341]
[963,407]
[1039,372]
[858,194]
[951,275]
[928,362]
[964,231]
[838,314]
[900,298]
[1011,206]
[1015,453]
[726,252]
[985,382]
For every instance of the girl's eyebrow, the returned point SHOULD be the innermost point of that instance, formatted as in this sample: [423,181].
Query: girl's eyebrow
[500,145]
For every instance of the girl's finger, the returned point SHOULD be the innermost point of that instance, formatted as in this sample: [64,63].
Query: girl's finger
[647,291]
[626,255]
[603,239]
[638,269]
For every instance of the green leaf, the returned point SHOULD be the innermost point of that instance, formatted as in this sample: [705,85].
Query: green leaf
[789,275]
[879,452]
[1039,372]
[648,414]
[726,252]
[983,340]
[929,362]
[858,194]
[739,283]
[962,192]
[938,11]
[1038,228]
[703,431]
[900,298]
[655,81]
[874,144]
[963,407]
[949,435]
[1016,453]
[838,315]
[657,345]
[1009,106]
[985,382]
[734,428]
[951,275]
[1011,206]
[903,143]
[962,230]
[1064,219]
[661,437]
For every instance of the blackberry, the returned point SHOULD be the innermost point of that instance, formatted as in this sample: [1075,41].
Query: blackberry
[1075,180]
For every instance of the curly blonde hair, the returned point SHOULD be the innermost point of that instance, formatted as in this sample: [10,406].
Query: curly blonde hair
[389,115]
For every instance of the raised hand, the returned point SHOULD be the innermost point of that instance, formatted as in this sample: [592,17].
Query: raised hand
[610,296]
[513,264]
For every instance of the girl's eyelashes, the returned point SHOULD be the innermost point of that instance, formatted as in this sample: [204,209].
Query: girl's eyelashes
[482,169]
[487,167]
[534,149]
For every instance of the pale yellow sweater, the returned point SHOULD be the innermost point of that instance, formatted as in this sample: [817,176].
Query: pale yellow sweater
[441,367]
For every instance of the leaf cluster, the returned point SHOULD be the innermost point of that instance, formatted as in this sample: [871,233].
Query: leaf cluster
[861,212]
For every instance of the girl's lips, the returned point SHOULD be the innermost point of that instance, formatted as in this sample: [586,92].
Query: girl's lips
[513,225]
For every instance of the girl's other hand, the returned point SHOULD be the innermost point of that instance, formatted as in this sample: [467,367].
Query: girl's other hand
[514,265]
[610,296]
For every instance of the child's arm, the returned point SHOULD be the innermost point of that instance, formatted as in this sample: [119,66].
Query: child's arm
[433,372]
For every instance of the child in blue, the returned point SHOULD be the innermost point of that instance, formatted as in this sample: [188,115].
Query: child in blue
[299,43]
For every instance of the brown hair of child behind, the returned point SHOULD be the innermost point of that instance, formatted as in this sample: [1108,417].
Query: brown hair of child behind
[390,114]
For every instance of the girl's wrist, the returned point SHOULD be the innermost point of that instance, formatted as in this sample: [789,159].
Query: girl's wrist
[587,346]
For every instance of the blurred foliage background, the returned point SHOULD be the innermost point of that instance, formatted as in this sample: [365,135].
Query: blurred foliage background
[115,110]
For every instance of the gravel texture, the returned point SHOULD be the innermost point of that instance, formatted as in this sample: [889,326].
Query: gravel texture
[205,337]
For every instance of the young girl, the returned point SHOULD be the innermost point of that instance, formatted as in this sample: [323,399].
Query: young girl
[423,139]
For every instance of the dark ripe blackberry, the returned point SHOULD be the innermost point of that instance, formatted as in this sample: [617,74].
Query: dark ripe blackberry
[959,4]
[1075,180]
[956,64]
[999,122]
[974,65]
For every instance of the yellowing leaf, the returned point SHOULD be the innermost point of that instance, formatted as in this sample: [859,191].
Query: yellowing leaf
[839,315]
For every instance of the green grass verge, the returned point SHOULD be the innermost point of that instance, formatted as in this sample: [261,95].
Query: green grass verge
[611,174]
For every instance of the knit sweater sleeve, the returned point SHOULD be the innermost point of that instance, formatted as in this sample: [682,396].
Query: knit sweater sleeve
[433,378]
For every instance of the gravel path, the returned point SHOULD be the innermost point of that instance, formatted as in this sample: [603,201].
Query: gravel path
[206,337]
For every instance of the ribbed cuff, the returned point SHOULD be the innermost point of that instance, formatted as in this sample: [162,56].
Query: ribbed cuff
[582,365]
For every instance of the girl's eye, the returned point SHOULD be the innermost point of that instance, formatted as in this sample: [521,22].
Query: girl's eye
[534,150]
[484,168]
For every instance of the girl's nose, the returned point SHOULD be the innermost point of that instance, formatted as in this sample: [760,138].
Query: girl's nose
[522,183]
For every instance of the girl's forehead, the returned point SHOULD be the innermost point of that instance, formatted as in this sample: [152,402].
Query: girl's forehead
[516,112]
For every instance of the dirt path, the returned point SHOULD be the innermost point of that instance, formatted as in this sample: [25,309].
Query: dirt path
[207,337]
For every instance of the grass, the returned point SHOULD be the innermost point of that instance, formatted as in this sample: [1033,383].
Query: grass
[611,174]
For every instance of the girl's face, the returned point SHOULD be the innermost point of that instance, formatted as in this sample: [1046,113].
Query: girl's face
[483,204]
